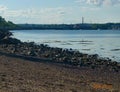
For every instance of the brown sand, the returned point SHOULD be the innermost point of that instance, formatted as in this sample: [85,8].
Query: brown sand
[19,75]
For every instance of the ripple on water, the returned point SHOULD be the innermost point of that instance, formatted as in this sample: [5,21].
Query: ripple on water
[115,49]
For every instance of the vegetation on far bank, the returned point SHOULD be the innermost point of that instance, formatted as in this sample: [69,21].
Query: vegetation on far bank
[85,26]
[8,25]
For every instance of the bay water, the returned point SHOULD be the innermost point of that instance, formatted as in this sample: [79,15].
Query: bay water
[105,43]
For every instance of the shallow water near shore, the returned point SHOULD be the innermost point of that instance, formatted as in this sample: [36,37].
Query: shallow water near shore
[106,43]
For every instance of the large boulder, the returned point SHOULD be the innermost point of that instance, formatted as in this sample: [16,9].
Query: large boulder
[4,34]
[5,38]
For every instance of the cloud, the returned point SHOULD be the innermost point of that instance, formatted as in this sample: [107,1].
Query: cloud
[99,2]
[42,15]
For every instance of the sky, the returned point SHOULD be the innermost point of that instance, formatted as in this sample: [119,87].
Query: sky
[60,11]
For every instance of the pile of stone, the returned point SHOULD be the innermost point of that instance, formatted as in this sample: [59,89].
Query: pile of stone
[4,34]
[59,55]
[5,38]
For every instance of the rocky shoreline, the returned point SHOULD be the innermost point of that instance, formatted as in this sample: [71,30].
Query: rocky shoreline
[57,55]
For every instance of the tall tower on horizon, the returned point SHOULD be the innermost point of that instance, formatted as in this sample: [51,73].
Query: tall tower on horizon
[82,20]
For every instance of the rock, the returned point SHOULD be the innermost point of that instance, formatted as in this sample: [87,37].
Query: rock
[5,34]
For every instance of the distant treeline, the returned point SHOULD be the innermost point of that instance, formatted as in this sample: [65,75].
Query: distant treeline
[8,25]
[106,26]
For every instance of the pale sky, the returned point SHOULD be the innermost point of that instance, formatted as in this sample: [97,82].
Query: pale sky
[60,11]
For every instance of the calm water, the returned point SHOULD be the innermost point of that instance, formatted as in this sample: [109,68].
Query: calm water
[106,43]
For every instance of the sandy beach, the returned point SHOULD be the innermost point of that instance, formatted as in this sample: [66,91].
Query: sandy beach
[19,75]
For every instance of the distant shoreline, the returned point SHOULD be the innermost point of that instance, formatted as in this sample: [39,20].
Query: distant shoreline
[85,26]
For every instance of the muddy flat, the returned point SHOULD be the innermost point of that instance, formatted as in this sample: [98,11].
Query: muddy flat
[19,75]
